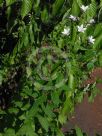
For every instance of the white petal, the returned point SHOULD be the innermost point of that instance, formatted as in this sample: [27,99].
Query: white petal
[66,31]
[81,28]
[73,17]
[91,39]
[92,21]
[84,8]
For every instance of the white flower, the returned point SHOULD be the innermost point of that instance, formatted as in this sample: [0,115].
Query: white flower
[73,18]
[92,21]
[84,8]
[81,28]
[91,39]
[66,31]
[86,88]
[87,25]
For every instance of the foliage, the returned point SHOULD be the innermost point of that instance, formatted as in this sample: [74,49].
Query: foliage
[45,68]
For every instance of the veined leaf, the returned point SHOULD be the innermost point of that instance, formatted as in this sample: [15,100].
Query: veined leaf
[71,81]
[100,58]
[13,110]
[60,133]
[27,129]
[74,34]
[55,97]
[67,110]
[97,43]
[10,132]
[44,122]
[35,108]
[100,15]
[98,30]
[78,131]
[79,2]
[48,111]
[45,16]
[75,8]
[29,71]
[36,3]
[10,2]
[31,33]
[57,6]
[26,7]
[100,3]
[92,10]
[66,14]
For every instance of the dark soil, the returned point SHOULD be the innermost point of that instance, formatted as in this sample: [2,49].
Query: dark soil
[88,116]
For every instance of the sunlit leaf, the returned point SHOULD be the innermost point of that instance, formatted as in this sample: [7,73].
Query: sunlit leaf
[9,2]
[78,131]
[26,7]
[44,122]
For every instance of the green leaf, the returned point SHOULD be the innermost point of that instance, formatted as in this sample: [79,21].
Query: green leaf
[75,8]
[1,78]
[31,34]
[29,71]
[25,38]
[78,131]
[27,128]
[44,122]
[79,97]
[48,111]
[97,43]
[74,34]
[18,104]
[26,7]
[38,86]
[2,112]
[60,133]
[98,29]
[36,4]
[55,97]
[10,132]
[100,3]
[89,55]
[45,16]
[13,110]
[66,14]
[10,2]
[90,65]
[57,7]
[25,107]
[91,12]
[1,1]
[100,58]
[35,107]
[66,110]
[79,2]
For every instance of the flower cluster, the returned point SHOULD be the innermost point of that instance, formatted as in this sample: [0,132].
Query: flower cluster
[81,28]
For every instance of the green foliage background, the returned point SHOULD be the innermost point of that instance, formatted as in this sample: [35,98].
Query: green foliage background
[46,67]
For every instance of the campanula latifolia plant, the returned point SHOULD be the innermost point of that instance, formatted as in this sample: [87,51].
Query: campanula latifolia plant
[55,45]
